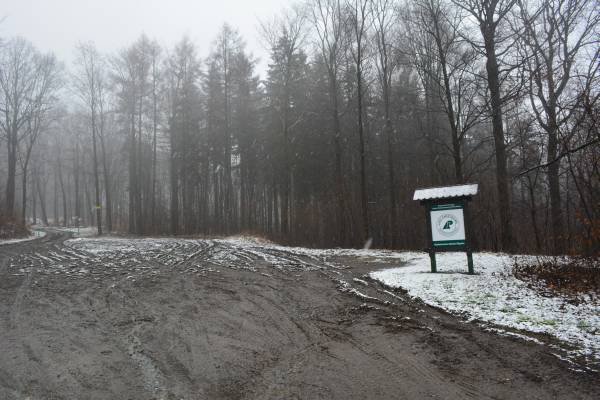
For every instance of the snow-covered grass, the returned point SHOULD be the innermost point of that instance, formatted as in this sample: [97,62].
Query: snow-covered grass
[34,235]
[494,295]
[250,241]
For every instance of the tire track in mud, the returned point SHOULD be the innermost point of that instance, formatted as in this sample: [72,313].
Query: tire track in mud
[237,257]
[281,259]
[222,319]
[153,377]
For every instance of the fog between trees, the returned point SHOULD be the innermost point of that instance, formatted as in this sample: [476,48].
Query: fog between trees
[362,102]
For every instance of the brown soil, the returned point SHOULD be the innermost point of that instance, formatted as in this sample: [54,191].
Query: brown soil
[214,321]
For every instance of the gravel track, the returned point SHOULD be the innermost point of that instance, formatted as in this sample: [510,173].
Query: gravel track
[118,318]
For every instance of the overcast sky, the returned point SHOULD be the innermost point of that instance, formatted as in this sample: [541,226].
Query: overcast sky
[58,25]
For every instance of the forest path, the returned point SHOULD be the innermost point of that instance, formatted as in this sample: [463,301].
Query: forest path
[216,319]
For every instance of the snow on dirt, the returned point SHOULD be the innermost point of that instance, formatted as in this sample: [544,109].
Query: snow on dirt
[84,231]
[494,295]
[34,235]
[371,254]
[142,318]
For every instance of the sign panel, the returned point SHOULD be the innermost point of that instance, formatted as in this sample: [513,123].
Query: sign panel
[447,225]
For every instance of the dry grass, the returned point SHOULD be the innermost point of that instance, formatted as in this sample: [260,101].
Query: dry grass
[11,228]
[569,276]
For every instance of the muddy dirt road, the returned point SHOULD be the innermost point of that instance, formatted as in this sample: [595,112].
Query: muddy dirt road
[217,319]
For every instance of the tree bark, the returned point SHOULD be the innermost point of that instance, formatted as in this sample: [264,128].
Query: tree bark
[502,181]
[154,130]
[42,200]
[131,171]
[33,197]
[359,32]
[12,169]
[64,194]
[339,177]
[98,204]
[174,170]
[556,213]
[24,193]
[107,186]
[76,176]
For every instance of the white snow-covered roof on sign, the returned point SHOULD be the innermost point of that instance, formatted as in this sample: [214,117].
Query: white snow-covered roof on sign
[446,192]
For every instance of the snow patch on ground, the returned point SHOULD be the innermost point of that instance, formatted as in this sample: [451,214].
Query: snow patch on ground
[84,231]
[495,296]
[34,235]
[249,241]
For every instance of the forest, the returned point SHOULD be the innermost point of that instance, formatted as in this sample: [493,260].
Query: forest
[362,102]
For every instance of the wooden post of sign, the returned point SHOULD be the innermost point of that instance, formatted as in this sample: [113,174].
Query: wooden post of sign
[467,236]
[470,262]
[432,259]
[431,250]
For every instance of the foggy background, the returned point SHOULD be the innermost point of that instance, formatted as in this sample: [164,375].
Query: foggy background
[58,25]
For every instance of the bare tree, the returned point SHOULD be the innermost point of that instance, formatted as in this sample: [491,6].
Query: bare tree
[285,36]
[456,77]
[490,16]
[155,75]
[27,82]
[87,84]
[102,93]
[136,92]
[561,49]
[182,75]
[46,87]
[328,21]
[418,48]
[386,61]
[358,23]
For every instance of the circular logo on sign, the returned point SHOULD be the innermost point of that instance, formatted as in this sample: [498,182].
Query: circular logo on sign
[447,224]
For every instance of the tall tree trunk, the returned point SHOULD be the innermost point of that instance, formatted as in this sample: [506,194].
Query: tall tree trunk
[154,129]
[285,192]
[227,160]
[12,169]
[243,193]
[174,170]
[362,148]
[41,194]
[389,131]
[55,197]
[76,175]
[533,212]
[33,197]
[391,182]
[556,214]
[64,194]
[107,186]
[456,140]
[502,181]
[452,120]
[89,204]
[132,178]
[431,151]
[138,192]
[218,205]
[98,203]
[24,192]
[339,177]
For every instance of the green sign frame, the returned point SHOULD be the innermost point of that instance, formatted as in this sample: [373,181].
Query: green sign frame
[450,217]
